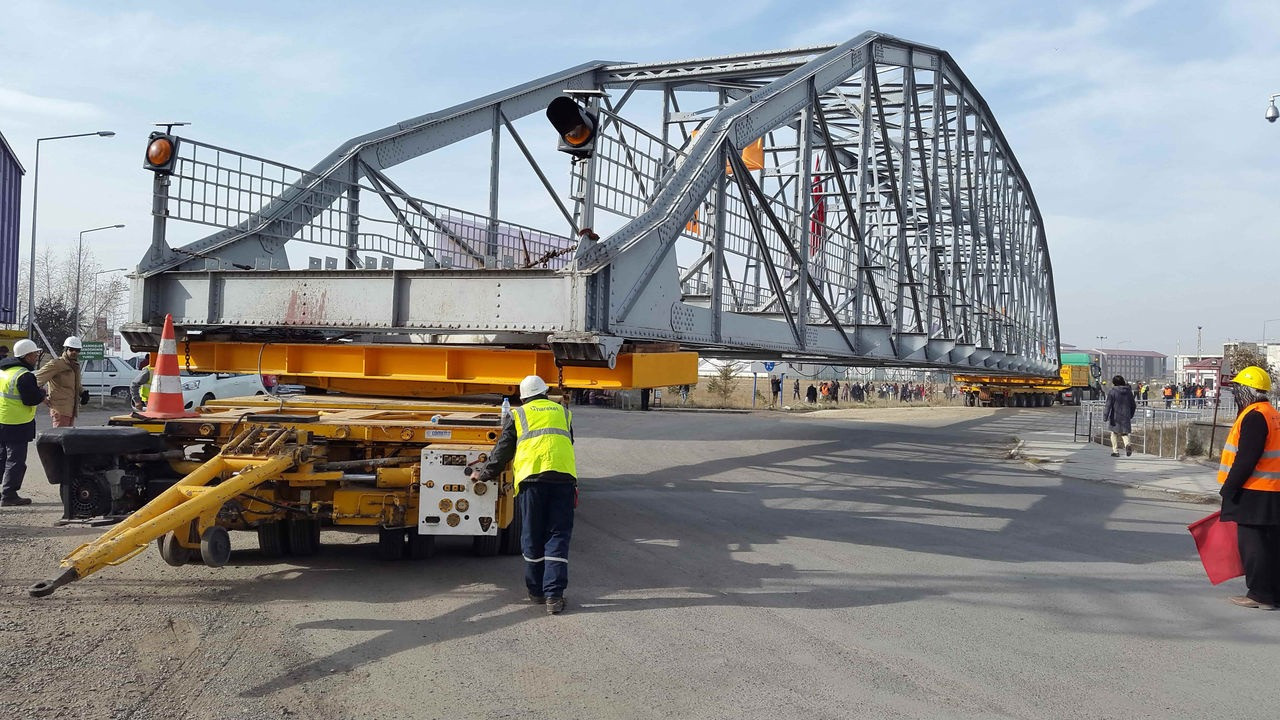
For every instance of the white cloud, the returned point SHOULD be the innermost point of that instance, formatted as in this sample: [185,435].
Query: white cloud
[17,102]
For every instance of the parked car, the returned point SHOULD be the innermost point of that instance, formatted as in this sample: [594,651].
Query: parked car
[108,376]
[200,388]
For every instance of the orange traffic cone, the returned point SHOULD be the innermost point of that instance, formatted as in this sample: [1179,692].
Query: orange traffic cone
[164,402]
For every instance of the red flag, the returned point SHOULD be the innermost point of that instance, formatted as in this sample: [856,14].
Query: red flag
[818,217]
[1219,552]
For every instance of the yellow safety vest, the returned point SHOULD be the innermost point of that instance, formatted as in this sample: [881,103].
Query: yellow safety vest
[1266,474]
[12,410]
[543,441]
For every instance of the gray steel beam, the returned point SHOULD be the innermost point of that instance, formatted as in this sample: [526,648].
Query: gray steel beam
[939,217]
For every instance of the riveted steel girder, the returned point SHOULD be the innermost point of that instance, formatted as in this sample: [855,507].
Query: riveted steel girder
[854,204]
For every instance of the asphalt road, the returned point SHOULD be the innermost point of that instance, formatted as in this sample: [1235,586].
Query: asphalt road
[723,566]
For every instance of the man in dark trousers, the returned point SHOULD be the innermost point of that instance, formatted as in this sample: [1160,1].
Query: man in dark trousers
[19,396]
[1250,478]
[537,439]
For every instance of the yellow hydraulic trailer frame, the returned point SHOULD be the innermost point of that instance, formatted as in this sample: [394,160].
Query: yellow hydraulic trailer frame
[294,461]
[348,461]
[192,501]
[430,370]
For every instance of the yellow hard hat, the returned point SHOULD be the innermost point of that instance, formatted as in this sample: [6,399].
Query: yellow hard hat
[1254,377]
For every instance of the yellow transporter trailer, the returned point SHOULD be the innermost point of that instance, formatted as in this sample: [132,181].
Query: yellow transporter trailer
[1074,379]
[286,467]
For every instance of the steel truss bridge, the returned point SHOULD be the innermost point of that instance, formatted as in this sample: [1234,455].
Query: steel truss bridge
[853,204]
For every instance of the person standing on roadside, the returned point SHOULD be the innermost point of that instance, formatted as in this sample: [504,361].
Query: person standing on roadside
[537,439]
[66,387]
[19,396]
[140,388]
[1250,477]
[1118,412]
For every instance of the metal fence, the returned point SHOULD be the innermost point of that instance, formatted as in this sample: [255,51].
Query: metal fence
[223,188]
[1156,430]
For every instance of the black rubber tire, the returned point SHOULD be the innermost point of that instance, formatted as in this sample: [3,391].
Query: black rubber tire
[215,546]
[120,392]
[420,547]
[207,397]
[171,552]
[303,536]
[485,545]
[86,497]
[391,544]
[509,537]
[271,539]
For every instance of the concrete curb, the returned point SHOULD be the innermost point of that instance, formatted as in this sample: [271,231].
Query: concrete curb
[713,411]
[1046,465]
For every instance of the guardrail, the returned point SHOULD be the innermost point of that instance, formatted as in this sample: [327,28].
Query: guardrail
[1156,430]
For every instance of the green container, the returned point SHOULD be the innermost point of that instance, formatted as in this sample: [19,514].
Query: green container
[1076,359]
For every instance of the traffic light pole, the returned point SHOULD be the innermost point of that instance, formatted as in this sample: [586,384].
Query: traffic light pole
[584,176]
[159,211]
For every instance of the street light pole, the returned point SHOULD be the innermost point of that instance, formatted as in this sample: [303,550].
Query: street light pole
[93,304]
[75,313]
[1264,331]
[35,200]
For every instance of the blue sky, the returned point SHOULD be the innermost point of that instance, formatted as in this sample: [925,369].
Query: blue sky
[1140,124]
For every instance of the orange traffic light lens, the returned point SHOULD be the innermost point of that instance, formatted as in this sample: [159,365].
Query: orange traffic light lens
[578,136]
[159,151]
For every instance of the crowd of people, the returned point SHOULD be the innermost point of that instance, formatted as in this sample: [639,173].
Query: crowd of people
[1188,394]
[834,391]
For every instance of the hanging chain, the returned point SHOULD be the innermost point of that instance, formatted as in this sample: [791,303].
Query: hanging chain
[186,351]
[564,395]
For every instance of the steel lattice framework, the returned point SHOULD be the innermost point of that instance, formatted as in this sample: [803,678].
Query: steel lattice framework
[855,204]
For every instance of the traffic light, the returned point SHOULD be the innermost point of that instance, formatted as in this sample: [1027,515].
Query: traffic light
[162,152]
[576,126]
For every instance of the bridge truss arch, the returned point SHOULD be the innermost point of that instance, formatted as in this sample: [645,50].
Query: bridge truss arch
[853,204]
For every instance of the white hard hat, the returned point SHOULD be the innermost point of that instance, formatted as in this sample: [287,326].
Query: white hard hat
[73,342]
[25,346]
[531,386]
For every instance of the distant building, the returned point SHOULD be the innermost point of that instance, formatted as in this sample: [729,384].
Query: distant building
[11,173]
[1271,350]
[1181,363]
[1139,365]
[1201,372]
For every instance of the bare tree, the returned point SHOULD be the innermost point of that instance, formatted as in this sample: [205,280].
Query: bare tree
[1241,356]
[100,295]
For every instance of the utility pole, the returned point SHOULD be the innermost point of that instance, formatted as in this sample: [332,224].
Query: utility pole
[1199,339]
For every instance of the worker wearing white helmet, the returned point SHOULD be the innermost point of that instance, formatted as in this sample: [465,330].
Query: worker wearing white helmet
[537,440]
[19,396]
[63,377]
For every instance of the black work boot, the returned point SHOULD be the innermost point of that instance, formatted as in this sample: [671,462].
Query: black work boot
[14,500]
[537,599]
[555,605]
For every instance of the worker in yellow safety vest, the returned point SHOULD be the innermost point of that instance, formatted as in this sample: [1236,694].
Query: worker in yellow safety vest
[537,439]
[19,396]
[140,388]
[1250,479]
